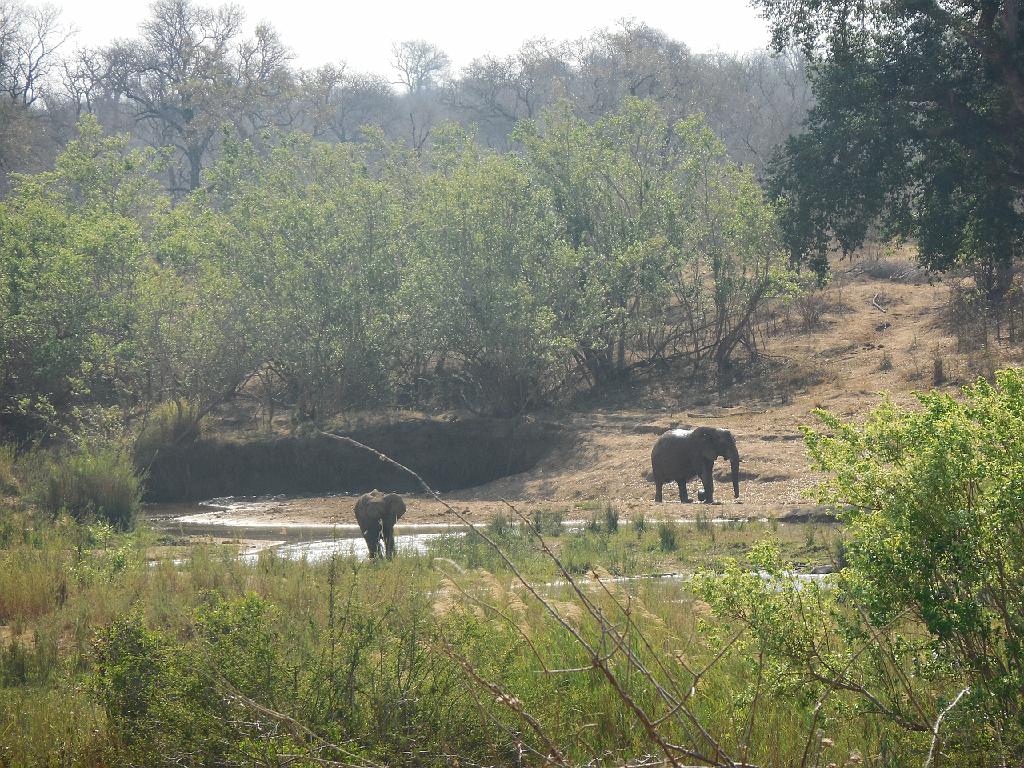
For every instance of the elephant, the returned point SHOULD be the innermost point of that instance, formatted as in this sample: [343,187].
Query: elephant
[376,513]
[681,454]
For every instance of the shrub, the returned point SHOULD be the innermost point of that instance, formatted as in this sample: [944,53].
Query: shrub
[611,519]
[95,481]
[548,523]
[500,526]
[704,525]
[811,308]
[639,524]
[668,534]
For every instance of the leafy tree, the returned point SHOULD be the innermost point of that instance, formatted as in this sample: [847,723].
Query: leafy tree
[658,216]
[485,268]
[916,129]
[72,252]
[316,248]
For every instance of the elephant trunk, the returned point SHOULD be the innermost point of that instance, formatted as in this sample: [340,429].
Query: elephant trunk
[735,460]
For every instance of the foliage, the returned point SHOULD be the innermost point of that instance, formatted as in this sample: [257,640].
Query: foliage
[675,247]
[668,534]
[72,253]
[935,531]
[8,480]
[201,657]
[487,273]
[170,425]
[324,276]
[926,617]
[611,519]
[915,129]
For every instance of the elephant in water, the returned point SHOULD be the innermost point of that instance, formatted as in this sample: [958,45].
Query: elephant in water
[376,513]
[681,455]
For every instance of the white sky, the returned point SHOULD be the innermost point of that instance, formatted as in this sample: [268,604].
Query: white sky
[361,33]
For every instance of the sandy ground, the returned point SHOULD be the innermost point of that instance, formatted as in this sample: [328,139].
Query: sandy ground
[606,458]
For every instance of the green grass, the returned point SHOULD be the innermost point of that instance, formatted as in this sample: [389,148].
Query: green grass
[112,659]
[91,482]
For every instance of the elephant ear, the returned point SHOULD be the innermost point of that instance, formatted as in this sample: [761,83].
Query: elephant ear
[397,503]
[708,445]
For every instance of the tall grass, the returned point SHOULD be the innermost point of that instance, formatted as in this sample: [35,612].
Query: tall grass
[95,481]
[668,536]
[192,661]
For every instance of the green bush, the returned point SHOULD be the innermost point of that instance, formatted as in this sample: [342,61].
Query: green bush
[611,519]
[548,523]
[668,534]
[640,524]
[928,609]
[95,481]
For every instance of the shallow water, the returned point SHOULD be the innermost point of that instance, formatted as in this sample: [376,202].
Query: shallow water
[325,549]
[317,542]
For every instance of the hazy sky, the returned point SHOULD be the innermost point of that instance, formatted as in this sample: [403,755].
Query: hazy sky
[361,33]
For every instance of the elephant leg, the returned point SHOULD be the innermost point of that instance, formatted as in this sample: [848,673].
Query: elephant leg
[389,541]
[707,477]
[372,542]
[683,497]
[657,491]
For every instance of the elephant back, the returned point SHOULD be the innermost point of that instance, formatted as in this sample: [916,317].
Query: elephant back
[670,450]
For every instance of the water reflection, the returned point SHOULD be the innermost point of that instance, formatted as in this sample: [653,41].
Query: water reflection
[324,549]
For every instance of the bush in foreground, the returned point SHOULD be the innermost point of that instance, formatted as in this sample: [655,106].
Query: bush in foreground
[926,624]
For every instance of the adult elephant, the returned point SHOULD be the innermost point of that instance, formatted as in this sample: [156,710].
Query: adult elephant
[683,454]
[376,513]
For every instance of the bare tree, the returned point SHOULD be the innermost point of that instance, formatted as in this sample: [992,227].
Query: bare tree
[633,59]
[265,82]
[420,65]
[337,103]
[496,93]
[191,77]
[30,37]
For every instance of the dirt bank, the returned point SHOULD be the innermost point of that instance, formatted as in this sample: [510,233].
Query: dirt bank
[449,454]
